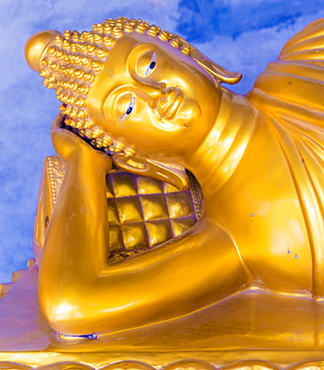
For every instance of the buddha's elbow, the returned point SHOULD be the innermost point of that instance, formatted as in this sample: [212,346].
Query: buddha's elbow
[62,312]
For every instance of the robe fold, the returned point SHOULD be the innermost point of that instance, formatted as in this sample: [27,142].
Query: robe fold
[290,94]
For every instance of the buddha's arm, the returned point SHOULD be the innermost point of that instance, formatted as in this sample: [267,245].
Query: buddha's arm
[79,294]
[76,242]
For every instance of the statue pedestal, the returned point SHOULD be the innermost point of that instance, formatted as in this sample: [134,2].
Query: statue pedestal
[251,328]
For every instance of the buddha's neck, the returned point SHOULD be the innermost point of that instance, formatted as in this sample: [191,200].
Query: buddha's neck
[219,155]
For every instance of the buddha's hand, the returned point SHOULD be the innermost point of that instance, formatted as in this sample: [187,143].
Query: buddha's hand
[72,150]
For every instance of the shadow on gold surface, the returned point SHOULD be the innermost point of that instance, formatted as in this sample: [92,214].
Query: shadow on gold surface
[142,212]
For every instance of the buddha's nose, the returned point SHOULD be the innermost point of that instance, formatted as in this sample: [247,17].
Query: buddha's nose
[152,92]
[36,47]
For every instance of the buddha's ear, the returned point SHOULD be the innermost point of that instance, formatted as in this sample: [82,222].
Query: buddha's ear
[173,174]
[214,69]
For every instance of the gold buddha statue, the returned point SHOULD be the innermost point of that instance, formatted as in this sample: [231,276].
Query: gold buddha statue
[143,100]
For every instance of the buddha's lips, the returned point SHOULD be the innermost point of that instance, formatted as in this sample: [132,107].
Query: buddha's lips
[170,108]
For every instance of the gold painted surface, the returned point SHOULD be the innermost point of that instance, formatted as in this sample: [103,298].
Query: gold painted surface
[279,332]
[248,276]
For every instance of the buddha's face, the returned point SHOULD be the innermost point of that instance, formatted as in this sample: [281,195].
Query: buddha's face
[153,98]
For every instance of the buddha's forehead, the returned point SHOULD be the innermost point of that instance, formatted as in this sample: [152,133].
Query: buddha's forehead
[138,38]
[127,42]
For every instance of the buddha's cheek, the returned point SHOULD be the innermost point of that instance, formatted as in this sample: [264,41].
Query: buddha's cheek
[189,114]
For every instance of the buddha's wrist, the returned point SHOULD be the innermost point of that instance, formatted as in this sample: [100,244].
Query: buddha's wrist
[73,151]
[89,160]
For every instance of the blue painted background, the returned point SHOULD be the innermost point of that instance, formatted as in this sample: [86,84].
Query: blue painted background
[240,35]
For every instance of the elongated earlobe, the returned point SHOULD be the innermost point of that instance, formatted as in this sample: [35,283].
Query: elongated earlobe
[173,174]
[214,69]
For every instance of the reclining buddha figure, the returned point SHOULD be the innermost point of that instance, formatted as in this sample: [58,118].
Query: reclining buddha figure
[146,101]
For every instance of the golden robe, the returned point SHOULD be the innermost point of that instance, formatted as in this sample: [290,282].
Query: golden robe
[290,93]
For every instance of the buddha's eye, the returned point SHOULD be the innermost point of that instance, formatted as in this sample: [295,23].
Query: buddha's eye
[129,109]
[152,65]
